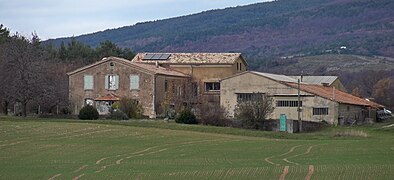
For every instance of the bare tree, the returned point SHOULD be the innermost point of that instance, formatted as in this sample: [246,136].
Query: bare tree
[24,79]
[254,110]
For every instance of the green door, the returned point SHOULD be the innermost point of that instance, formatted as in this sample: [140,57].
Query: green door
[282,123]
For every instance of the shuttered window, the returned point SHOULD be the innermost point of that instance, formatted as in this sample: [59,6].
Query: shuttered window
[88,82]
[134,82]
[111,82]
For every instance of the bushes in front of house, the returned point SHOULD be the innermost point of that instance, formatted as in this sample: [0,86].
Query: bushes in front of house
[186,116]
[117,114]
[88,113]
[130,107]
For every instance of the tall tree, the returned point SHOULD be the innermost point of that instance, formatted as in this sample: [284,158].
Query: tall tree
[25,79]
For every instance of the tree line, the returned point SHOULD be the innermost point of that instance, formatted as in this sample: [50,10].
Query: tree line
[33,74]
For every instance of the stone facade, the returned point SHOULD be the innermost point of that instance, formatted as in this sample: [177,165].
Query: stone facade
[150,89]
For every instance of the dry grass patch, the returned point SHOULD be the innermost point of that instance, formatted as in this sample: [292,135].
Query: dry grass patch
[351,133]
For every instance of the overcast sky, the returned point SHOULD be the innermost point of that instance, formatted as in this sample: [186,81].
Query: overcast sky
[63,18]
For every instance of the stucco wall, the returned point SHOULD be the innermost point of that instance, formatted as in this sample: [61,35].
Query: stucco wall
[252,83]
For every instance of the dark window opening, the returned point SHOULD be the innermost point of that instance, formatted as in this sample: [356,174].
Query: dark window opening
[320,111]
[212,86]
[287,103]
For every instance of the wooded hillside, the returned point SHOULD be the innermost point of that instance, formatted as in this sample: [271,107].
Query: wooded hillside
[266,30]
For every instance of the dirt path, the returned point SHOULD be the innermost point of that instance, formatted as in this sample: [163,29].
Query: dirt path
[54,177]
[285,172]
[310,172]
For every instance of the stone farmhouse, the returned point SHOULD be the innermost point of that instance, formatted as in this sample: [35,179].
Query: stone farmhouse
[155,80]
[319,102]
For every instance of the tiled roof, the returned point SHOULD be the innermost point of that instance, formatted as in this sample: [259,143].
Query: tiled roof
[316,79]
[192,58]
[153,69]
[334,95]
[108,97]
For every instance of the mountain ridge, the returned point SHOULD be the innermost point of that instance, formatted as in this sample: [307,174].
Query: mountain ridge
[265,30]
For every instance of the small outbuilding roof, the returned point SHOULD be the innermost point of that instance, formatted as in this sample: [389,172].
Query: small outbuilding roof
[188,58]
[152,69]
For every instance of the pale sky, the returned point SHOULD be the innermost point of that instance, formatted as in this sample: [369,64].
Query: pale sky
[64,18]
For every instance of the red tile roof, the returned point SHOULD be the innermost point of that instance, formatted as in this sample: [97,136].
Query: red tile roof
[334,95]
[108,97]
[192,58]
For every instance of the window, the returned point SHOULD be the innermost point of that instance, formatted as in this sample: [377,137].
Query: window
[134,82]
[165,86]
[242,97]
[88,82]
[287,103]
[112,82]
[320,111]
[195,89]
[212,86]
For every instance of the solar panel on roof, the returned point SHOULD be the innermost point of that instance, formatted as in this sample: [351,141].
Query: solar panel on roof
[165,56]
[148,56]
[156,56]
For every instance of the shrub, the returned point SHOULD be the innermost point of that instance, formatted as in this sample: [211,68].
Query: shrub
[212,114]
[88,113]
[253,112]
[117,114]
[187,117]
[130,107]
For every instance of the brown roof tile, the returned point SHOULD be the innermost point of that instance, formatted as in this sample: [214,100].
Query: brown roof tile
[334,95]
[192,58]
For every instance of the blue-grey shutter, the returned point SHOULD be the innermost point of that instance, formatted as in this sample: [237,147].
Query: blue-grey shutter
[134,82]
[88,82]
[106,82]
[116,82]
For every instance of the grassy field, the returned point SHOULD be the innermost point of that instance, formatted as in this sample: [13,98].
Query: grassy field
[64,149]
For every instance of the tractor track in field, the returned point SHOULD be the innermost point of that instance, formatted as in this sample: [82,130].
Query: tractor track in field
[81,168]
[285,172]
[145,152]
[305,153]
[311,170]
[79,176]
[54,176]
[268,159]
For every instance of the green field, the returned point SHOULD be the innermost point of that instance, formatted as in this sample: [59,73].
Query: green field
[62,149]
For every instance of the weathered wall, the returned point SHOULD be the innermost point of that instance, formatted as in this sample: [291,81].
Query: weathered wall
[77,94]
[252,83]
[202,73]
[175,93]
[348,112]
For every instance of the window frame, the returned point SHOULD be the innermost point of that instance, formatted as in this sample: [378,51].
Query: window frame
[85,85]
[320,111]
[215,86]
[108,82]
[136,84]
[287,103]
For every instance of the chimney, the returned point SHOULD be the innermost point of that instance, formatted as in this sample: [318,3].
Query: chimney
[333,93]
[157,64]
